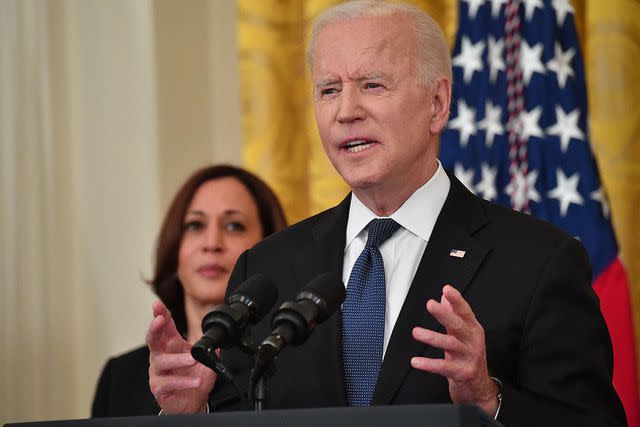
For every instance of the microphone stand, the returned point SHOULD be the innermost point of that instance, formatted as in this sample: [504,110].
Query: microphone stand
[207,356]
[263,369]
[261,389]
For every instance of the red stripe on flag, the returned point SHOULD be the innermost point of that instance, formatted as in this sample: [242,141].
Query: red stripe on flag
[613,290]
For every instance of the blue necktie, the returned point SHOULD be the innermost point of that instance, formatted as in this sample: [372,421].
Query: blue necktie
[363,314]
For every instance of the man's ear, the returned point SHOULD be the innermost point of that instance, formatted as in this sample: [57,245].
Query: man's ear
[441,101]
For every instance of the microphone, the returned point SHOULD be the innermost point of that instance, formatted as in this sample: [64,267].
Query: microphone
[294,321]
[224,326]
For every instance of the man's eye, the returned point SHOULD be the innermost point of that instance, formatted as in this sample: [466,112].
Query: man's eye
[235,226]
[372,85]
[193,226]
[328,91]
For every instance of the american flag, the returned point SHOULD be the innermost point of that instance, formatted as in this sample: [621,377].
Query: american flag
[518,136]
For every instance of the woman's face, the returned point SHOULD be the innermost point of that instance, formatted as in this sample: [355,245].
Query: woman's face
[220,223]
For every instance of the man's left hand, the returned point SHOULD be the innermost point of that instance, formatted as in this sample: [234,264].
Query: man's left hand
[465,356]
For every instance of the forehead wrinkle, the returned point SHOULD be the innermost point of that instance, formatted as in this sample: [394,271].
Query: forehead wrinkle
[369,75]
[364,70]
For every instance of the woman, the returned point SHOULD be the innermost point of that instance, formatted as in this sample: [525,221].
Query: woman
[219,212]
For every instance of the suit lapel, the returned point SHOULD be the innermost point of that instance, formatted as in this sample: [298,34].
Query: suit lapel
[457,227]
[326,254]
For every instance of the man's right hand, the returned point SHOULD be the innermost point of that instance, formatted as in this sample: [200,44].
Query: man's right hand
[179,383]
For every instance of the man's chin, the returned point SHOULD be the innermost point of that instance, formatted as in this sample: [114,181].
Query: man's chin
[361,183]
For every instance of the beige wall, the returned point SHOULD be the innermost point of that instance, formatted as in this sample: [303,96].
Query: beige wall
[105,106]
[197,86]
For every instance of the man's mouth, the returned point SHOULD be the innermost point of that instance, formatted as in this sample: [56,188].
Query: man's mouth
[357,145]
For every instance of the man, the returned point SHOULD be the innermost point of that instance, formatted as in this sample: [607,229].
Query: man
[511,323]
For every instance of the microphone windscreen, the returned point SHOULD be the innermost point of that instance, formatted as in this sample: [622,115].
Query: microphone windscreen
[259,293]
[327,291]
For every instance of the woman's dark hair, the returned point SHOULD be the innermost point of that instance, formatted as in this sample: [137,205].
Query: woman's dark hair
[165,281]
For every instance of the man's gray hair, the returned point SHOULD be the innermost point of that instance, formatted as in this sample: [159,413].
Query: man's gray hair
[433,57]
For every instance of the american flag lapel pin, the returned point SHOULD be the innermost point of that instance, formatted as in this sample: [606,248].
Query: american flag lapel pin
[457,253]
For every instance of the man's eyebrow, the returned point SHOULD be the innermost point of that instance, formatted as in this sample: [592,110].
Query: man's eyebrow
[327,82]
[365,76]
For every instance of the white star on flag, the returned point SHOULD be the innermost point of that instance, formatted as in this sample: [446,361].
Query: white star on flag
[522,189]
[487,185]
[494,57]
[469,58]
[601,198]
[562,7]
[496,5]
[561,64]
[566,191]
[530,60]
[566,127]
[465,176]
[473,7]
[528,121]
[492,123]
[530,6]
[465,122]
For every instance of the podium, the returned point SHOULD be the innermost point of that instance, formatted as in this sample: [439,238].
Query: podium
[375,416]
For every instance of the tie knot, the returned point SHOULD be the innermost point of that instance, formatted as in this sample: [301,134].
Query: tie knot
[380,230]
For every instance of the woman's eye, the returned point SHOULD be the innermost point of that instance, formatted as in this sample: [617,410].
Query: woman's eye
[193,226]
[235,226]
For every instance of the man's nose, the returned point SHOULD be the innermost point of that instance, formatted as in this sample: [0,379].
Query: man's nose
[351,108]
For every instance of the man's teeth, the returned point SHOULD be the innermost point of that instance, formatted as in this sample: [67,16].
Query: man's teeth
[356,146]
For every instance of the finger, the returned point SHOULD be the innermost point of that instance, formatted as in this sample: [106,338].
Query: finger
[453,323]
[159,309]
[443,367]
[448,343]
[162,335]
[166,362]
[155,333]
[165,385]
[458,304]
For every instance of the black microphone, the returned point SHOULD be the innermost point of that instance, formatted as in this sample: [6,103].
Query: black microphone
[294,321]
[224,326]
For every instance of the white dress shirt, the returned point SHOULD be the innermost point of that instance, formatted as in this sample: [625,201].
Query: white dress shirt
[403,251]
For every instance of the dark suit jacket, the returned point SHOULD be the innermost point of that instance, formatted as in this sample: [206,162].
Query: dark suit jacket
[123,387]
[528,283]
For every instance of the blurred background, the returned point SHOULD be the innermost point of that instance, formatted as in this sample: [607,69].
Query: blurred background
[107,106]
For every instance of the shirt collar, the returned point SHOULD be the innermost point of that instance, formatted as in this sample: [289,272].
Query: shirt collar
[418,213]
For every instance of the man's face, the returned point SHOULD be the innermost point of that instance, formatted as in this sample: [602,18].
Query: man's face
[373,114]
